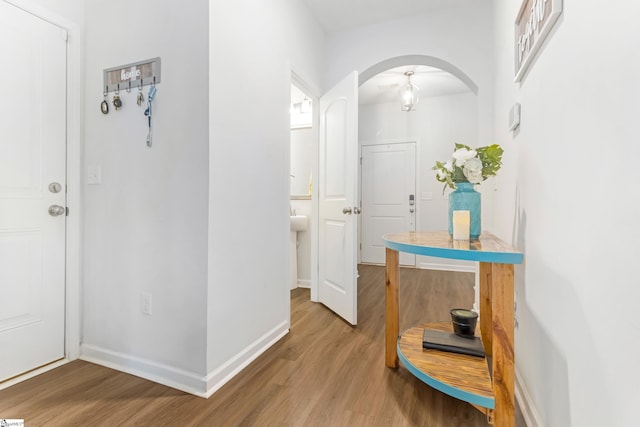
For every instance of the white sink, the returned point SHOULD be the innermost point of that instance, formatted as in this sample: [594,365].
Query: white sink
[298,222]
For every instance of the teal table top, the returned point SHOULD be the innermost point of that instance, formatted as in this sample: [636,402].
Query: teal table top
[487,248]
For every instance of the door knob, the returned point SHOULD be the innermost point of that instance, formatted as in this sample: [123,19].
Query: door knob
[356,210]
[346,211]
[56,210]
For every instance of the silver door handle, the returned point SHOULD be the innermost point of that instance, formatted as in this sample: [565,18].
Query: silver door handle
[346,211]
[356,210]
[56,210]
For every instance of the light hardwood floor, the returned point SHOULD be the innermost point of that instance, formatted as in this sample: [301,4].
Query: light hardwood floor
[323,373]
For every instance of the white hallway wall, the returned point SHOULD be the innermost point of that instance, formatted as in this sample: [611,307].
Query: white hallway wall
[253,47]
[203,225]
[145,227]
[567,198]
[437,124]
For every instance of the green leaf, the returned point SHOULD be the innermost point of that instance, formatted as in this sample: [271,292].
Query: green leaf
[458,175]
[459,146]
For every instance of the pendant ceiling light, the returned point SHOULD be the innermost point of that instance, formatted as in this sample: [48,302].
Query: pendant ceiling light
[305,106]
[409,96]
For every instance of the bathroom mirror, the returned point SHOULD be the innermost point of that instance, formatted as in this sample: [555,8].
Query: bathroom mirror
[302,141]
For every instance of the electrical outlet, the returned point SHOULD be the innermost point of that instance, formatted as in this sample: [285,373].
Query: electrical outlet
[146,303]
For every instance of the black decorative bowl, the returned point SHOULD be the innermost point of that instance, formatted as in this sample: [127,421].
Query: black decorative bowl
[464,322]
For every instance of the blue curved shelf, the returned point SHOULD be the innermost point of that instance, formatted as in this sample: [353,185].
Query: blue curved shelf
[475,399]
[488,248]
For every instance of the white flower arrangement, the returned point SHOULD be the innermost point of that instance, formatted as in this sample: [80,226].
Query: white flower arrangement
[469,165]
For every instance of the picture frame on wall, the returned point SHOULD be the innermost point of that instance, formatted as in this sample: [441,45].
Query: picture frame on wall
[533,23]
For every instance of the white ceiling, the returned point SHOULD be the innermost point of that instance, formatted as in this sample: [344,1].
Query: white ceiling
[336,15]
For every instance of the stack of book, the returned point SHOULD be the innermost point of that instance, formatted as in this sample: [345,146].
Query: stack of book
[446,341]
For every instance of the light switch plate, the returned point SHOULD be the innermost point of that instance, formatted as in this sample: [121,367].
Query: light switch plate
[514,116]
[94,175]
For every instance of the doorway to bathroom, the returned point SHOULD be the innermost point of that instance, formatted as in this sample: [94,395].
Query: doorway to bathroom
[303,142]
[332,220]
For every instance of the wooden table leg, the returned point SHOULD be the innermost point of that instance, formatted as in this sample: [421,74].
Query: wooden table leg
[485,306]
[502,345]
[392,316]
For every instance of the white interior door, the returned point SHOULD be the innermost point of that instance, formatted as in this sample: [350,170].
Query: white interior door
[388,187]
[32,156]
[337,199]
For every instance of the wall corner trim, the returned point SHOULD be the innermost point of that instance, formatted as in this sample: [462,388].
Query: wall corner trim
[189,382]
[529,411]
[170,376]
[222,374]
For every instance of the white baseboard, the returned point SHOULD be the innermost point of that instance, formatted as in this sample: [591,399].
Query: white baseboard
[170,376]
[189,382]
[471,268]
[529,412]
[302,283]
[33,373]
[233,366]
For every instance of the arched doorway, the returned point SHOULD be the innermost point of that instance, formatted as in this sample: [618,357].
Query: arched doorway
[398,149]
[320,274]
[430,61]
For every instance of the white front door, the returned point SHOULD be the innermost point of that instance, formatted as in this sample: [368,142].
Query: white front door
[388,197]
[338,199]
[32,156]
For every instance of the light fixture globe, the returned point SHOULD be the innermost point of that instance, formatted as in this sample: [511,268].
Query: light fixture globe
[305,105]
[409,96]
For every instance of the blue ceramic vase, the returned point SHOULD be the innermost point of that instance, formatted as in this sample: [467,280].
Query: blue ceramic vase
[465,198]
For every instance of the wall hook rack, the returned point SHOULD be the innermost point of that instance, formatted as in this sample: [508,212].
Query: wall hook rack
[142,73]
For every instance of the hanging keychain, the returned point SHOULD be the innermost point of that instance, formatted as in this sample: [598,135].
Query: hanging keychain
[104,105]
[147,112]
[117,102]
[140,98]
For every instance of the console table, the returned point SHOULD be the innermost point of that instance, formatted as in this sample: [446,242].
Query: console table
[488,388]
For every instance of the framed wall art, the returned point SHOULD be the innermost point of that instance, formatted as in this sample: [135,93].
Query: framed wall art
[533,23]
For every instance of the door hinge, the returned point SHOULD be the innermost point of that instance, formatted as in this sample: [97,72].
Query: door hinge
[360,159]
[66,209]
